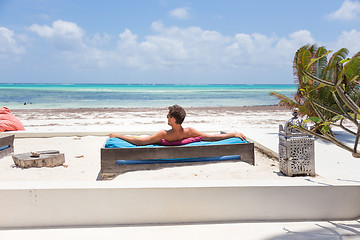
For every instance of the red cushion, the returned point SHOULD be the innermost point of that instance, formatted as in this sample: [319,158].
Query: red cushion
[9,122]
[180,142]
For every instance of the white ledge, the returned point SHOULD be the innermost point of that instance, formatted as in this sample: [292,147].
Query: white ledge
[115,203]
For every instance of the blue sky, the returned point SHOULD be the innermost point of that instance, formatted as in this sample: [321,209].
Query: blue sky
[163,41]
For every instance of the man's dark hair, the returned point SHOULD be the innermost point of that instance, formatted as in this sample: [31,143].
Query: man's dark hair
[178,113]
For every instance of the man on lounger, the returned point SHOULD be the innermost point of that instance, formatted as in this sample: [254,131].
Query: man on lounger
[177,135]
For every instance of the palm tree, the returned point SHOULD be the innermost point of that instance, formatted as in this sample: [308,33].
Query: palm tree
[312,60]
[328,92]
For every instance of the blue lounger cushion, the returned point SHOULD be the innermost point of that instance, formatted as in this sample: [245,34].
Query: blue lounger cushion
[119,143]
[178,160]
[4,147]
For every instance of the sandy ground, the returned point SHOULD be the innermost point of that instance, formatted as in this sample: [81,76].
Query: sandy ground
[82,163]
[82,154]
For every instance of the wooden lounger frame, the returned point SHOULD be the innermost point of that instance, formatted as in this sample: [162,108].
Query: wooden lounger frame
[109,168]
[7,141]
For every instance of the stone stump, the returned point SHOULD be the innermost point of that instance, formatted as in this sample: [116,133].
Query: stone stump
[51,158]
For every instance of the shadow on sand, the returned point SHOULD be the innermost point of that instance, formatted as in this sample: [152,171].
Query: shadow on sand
[329,231]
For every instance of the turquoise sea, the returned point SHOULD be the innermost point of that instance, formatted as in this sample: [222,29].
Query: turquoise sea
[41,96]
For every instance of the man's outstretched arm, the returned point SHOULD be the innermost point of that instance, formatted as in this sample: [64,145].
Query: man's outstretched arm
[139,141]
[216,137]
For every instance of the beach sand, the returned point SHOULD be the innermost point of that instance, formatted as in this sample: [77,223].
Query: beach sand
[82,154]
[82,163]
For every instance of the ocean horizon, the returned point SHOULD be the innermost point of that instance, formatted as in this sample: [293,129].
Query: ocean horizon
[74,95]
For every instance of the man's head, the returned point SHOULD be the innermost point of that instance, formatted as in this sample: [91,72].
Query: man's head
[178,113]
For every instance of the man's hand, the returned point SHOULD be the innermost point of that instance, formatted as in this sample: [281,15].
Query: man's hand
[112,135]
[240,135]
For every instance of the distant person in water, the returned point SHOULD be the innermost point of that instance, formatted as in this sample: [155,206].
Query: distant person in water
[175,118]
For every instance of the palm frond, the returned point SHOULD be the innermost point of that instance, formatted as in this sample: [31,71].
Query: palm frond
[331,69]
[350,70]
[284,100]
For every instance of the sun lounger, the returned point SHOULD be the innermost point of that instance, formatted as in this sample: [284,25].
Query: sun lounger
[115,161]
[6,145]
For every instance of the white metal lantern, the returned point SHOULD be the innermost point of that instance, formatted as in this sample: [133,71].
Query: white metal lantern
[296,149]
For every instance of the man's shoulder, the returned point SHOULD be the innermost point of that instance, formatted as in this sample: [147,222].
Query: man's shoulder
[162,132]
[190,130]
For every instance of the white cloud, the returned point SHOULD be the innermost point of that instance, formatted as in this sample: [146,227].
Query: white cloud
[347,39]
[190,49]
[294,41]
[195,48]
[349,10]
[74,48]
[169,48]
[99,39]
[172,47]
[180,13]
[8,44]
[59,28]
[127,39]
[157,26]
[256,49]
[64,35]
[43,31]
[127,52]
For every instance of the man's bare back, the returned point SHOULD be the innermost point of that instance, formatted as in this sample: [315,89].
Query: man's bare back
[178,134]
